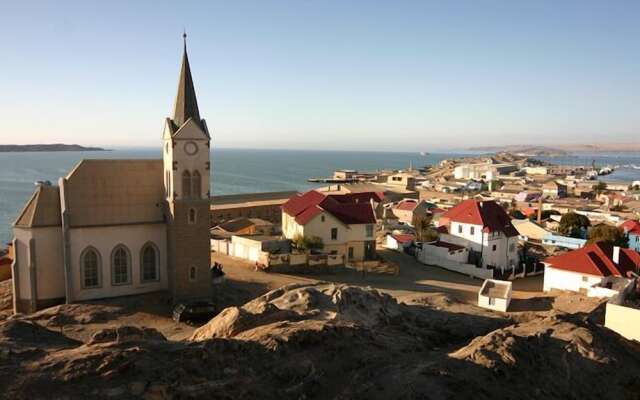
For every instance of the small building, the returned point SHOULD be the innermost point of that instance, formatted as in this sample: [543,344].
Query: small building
[529,230]
[399,241]
[245,226]
[622,312]
[410,211]
[566,242]
[495,295]
[554,189]
[402,179]
[631,228]
[256,247]
[265,206]
[527,196]
[582,270]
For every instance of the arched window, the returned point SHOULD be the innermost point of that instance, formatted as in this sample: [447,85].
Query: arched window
[186,184]
[120,266]
[149,257]
[192,274]
[90,268]
[193,216]
[196,184]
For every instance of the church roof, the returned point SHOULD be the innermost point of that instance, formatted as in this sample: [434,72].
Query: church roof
[186,105]
[42,209]
[114,192]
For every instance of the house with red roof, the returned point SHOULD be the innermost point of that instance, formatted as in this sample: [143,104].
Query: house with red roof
[597,264]
[345,222]
[409,211]
[631,228]
[485,229]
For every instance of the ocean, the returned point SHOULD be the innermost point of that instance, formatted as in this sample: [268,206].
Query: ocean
[241,170]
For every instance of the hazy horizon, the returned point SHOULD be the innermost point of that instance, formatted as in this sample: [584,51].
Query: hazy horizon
[404,76]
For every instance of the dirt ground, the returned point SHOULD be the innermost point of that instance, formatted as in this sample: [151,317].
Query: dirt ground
[415,279]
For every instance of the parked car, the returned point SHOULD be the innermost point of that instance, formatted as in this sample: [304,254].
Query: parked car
[198,311]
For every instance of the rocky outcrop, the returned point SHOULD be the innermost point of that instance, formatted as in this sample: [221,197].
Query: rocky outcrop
[323,340]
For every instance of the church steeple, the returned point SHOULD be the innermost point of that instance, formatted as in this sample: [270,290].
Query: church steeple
[186,105]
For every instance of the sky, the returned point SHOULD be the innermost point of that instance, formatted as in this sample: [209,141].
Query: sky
[345,74]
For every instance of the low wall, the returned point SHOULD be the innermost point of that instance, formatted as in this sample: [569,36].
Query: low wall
[467,269]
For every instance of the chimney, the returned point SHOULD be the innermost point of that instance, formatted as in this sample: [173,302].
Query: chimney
[540,209]
[616,254]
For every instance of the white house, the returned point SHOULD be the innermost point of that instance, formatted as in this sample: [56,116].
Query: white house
[486,230]
[591,269]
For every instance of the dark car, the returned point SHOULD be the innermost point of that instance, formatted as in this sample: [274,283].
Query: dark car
[198,311]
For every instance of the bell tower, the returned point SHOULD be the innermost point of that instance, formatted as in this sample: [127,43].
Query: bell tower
[186,155]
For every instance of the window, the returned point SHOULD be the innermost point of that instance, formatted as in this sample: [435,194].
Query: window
[149,263]
[369,230]
[334,233]
[186,184]
[350,253]
[492,301]
[322,218]
[196,184]
[494,247]
[459,228]
[120,266]
[585,278]
[192,274]
[192,218]
[90,272]
[472,230]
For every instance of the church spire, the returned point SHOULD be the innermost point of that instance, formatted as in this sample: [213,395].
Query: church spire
[186,104]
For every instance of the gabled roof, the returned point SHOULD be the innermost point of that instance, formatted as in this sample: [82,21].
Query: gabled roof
[354,208]
[488,214]
[42,209]
[631,226]
[238,224]
[597,259]
[114,192]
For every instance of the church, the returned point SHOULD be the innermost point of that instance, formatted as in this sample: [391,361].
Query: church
[122,227]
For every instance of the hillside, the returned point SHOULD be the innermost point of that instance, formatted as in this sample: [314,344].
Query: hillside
[328,341]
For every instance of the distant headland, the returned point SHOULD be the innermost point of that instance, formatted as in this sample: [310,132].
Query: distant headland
[17,148]
[561,149]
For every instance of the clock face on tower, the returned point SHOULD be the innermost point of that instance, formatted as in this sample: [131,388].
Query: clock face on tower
[190,148]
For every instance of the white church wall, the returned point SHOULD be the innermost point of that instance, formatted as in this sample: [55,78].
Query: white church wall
[105,239]
[49,263]
[22,237]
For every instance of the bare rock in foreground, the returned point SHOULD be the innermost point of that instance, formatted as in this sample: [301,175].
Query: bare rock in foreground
[329,341]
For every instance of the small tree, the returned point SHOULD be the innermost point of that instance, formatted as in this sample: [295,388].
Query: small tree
[308,243]
[600,187]
[607,234]
[424,231]
[573,224]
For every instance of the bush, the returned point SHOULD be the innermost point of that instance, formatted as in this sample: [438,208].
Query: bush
[308,242]
[572,224]
[607,234]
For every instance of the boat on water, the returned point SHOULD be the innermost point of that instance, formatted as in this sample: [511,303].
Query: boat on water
[424,153]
